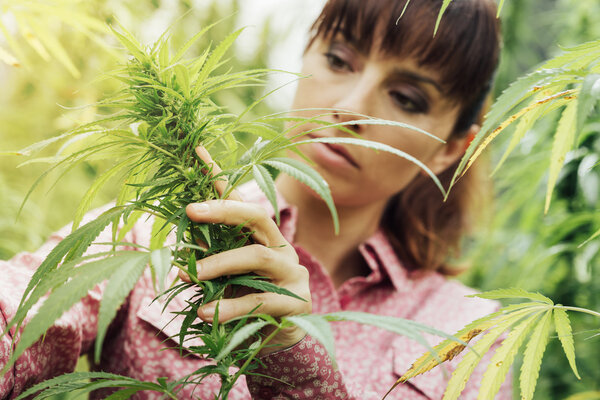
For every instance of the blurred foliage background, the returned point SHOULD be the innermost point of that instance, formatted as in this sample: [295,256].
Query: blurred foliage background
[517,246]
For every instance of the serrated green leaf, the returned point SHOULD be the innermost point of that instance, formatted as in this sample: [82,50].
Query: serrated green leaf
[86,202]
[256,282]
[129,41]
[562,144]
[525,124]
[65,296]
[72,377]
[465,368]
[503,358]
[317,327]
[183,49]
[240,336]
[517,92]
[513,293]
[448,349]
[532,357]
[161,265]
[565,335]
[265,182]
[68,249]
[120,283]
[588,96]
[213,60]
[183,79]
[309,177]
[128,226]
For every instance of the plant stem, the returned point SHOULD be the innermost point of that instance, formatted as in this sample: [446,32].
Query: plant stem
[251,358]
[579,309]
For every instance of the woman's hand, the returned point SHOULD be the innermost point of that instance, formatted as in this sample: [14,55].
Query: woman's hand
[271,256]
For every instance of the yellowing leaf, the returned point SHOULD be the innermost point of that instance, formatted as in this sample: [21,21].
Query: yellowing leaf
[509,121]
[465,368]
[563,142]
[526,122]
[565,335]
[532,357]
[503,358]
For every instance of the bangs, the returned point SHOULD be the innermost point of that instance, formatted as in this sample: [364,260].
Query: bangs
[464,50]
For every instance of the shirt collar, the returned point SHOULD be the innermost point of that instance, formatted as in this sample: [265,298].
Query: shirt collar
[380,255]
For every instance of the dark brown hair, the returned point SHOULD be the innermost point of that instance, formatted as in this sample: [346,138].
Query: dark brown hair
[422,228]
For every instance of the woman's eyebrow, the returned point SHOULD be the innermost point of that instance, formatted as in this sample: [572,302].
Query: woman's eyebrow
[404,74]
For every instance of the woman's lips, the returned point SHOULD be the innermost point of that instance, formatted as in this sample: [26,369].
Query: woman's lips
[334,153]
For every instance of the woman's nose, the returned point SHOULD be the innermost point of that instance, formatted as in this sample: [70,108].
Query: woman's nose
[354,104]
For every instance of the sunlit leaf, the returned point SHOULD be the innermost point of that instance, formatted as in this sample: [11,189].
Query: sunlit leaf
[563,142]
[503,358]
[465,368]
[513,293]
[532,358]
[123,279]
[565,335]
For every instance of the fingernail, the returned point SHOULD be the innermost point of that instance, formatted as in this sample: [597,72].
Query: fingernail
[199,208]
[207,311]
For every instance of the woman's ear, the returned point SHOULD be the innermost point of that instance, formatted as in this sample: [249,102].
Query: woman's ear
[452,151]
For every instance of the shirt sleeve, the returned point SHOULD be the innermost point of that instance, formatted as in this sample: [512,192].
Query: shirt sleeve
[71,335]
[305,371]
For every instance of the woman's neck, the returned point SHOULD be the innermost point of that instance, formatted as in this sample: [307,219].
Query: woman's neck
[315,232]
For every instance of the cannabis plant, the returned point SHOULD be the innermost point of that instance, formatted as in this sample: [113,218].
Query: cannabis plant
[571,83]
[160,117]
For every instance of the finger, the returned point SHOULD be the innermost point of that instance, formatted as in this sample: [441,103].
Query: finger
[276,305]
[254,258]
[221,182]
[184,276]
[252,216]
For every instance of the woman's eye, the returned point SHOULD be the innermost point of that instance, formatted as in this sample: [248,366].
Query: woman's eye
[337,63]
[407,103]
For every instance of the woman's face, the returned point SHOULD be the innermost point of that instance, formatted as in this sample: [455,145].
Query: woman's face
[380,86]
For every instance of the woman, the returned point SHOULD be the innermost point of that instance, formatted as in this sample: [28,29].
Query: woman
[395,231]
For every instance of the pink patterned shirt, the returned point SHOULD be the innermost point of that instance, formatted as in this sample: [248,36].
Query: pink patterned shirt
[369,359]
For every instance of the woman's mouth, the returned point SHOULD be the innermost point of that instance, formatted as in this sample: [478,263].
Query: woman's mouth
[334,154]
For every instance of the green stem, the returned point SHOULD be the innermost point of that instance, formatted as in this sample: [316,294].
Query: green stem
[250,359]
[184,269]
[578,309]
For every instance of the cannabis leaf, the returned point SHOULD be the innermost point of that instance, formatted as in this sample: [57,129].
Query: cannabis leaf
[527,323]
[569,80]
